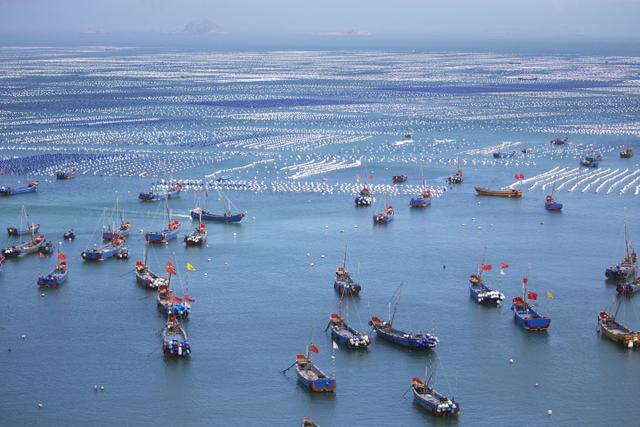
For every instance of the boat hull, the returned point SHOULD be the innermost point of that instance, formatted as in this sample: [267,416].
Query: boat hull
[161,236]
[52,280]
[483,295]
[554,207]
[101,254]
[530,320]
[432,407]
[318,385]
[418,202]
[211,217]
[14,231]
[511,194]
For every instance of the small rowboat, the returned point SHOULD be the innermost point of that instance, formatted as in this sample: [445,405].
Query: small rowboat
[169,233]
[418,341]
[384,217]
[57,276]
[550,204]
[151,196]
[399,179]
[37,244]
[310,376]
[111,249]
[175,342]
[427,397]
[363,198]
[197,237]
[613,330]
[512,193]
[65,175]
[345,335]
[627,153]
[630,288]
[12,191]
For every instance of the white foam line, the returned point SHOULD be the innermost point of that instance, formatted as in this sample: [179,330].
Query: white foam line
[589,176]
[608,180]
[598,179]
[628,185]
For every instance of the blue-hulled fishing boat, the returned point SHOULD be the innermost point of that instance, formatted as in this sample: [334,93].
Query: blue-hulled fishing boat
[503,154]
[145,277]
[170,232]
[227,216]
[101,253]
[38,244]
[345,335]
[363,198]
[25,227]
[456,178]
[12,191]
[154,196]
[62,175]
[551,204]
[167,300]
[385,216]
[175,342]
[479,292]
[559,141]
[310,376]
[399,179]
[197,237]
[629,265]
[590,161]
[57,276]
[421,201]
[525,315]
[343,283]
[426,396]
[123,230]
[629,288]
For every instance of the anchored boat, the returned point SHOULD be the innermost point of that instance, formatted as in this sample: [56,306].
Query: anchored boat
[610,328]
[399,179]
[197,237]
[123,229]
[145,277]
[629,288]
[385,216]
[626,153]
[312,377]
[511,193]
[343,334]
[12,191]
[65,175]
[559,141]
[57,276]
[175,342]
[479,292]
[101,253]
[153,196]
[167,299]
[344,284]
[629,264]
[25,227]
[363,198]
[503,154]
[426,396]
[170,232]
[36,244]
[590,161]
[227,216]
[421,201]
[525,315]
[456,178]
[551,204]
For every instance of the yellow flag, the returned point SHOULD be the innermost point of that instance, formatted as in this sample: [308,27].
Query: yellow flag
[550,295]
[190,267]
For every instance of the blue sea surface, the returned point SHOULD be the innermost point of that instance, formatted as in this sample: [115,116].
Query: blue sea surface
[295,134]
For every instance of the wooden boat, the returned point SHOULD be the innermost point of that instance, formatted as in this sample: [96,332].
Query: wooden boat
[65,175]
[310,376]
[480,293]
[456,178]
[399,179]
[421,201]
[12,191]
[629,288]
[343,283]
[167,300]
[511,193]
[175,342]
[426,396]
[345,335]
[197,237]
[153,196]
[170,232]
[363,198]
[147,278]
[629,265]
[57,276]
[69,235]
[26,226]
[109,250]
[551,204]
[590,161]
[626,153]
[123,229]
[559,141]
[610,328]
[503,154]
[525,315]
[35,245]
[385,216]
[228,216]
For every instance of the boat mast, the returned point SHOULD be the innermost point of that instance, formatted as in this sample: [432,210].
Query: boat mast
[626,240]
[344,260]
[392,313]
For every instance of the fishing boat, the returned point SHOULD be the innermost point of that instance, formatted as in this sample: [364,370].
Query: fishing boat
[175,342]
[525,315]
[399,179]
[479,292]
[343,334]
[511,193]
[503,154]
[123,230]
[12,191]
[385,216]
[145,277]
[629,288]
[25,227]
[627,153]
[629,264]
[551,204]
[308,422]
[421,201]
[385,330]
[426,396]
[344,284]
[590,161]
[363,198]
[170,232]
[228,216]
[153,196]
[69,235]
[106,251]
[456,178]
[167,300]
[38,244]
[610,328]
[559,141]
[197,237]
[57,276]
[65,175]
[312,377]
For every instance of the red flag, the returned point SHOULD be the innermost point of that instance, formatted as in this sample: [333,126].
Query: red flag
[171,268]
[516,176]
[174,299]
[143,174]
[206,194]
[358,177]
[485,267]
[525,280]
[532,295]
[521,176]
[503,265]
[187,299]
[62,257]
[313,348]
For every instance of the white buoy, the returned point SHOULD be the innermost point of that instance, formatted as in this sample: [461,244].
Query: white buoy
[101,388]
[42,295]
[322,256]
[549,412]
[95,387]
[209,259]
[40,406]
[536,385]
[23,337]
[312,264]
[510,360]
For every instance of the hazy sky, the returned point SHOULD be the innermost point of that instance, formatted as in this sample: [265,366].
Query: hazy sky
[279,18]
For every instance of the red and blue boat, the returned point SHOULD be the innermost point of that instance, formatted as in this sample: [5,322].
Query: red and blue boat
[525,315]
[197,237]
[312,377]
[629,288]
[167,300]
[26,227]
[479,292]
[426,396]
[57,276]
[343,283]
[113,248]
[345,335]
[385,216]
[145,277]
[421,201]
[175,342]
[38,244]
[154,196]
[228,216]
[363,198]
[551,204]
[629,265]
[168,233]
[31,187]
